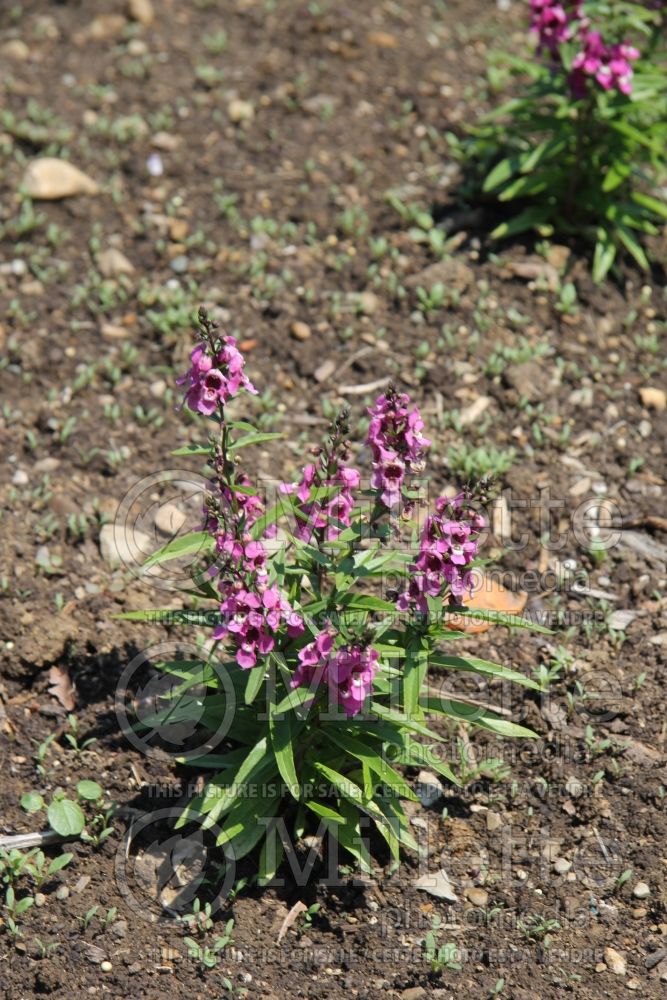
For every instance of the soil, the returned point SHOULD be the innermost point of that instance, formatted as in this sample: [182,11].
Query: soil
[245,152]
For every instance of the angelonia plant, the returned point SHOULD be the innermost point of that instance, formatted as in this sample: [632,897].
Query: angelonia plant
[582,149]
[324,612]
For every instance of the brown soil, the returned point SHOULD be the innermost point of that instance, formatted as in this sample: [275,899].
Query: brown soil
[269,221]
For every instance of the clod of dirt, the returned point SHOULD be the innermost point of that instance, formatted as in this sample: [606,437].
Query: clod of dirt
[615,962]
[48,179]
[112,262]
[240,111]
[141,11]
[529,380]
[101,29]
[15,49]
[453,274]
[652,398]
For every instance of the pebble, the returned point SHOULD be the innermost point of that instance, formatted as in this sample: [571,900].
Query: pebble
[240,111]
[141,11]
[46,465]
[157,389]
[574,787]
[414,993]
[641,890]
[652,398]
[20,478]
[562,865]
[429,788]
[476,896]
[169,519]
[300,330]
[62,892]
[40,899]
[325,370]
[180,264]
[130,548]
[112,262]
[49,179]
[15,49]
[615,962]
[493,821]
[368,303]
[106,966]
[114,332]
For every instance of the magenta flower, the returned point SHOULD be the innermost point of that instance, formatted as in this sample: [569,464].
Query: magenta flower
[214,379]
[448,546]
[330,514]
[350,675]
[396,440]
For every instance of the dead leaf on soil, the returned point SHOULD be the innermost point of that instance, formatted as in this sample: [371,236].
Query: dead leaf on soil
[437,884]
[487,595]
[61,688]
[293,914]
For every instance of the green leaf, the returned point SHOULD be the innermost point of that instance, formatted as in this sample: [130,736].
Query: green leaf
[324,812]
[402,721]
[348,834]
[531,218]
[32,802]
[198,542]
[270,858]
[477,666]
[255,438]
[89,790]
[192,449]
[603,258]
[414,674]
[498,618]
[23,905]
[281,743]
[476,716]
[654,205]
[60,862]
[632,245]
[66,817]
[501,173]
[255,681]
[372,759]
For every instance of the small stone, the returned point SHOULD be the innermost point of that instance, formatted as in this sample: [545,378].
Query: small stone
[641,890]
[33,287]
[368,303]
[158,388]
[581,397]
[453,274]
[49,179]
[112,262]
[429,788]
[40,899]
[476,896]
[15,49]
[639,913]
[62,892]
[101,29]
[81,884]
[124,545]
[300,330]
[240,111]
[562,865]
[106,966]
[325,370]
[114,332]
[154,165]
[166,141]
[141,11]
[558,256]
[383,40]
[574,787]
[615,962]
[169,519]
[414,993]
[652,398]
[46,465]
[178,229]
[180,264]
[493,821]
[20,478]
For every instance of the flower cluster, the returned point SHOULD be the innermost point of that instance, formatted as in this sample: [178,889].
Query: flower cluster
[554,22]
[215,376]
[328,516]
[349,672]
[397,443]
[609,65]
[252,619]
[448,545]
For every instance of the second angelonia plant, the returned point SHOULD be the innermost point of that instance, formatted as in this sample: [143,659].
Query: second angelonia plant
[326,614]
